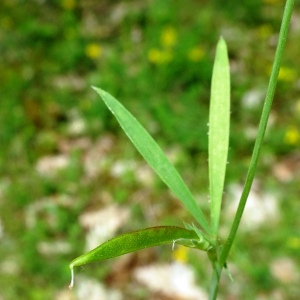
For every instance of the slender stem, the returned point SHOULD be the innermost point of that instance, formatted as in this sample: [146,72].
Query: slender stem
[262,127]
[258,143]
[214,285]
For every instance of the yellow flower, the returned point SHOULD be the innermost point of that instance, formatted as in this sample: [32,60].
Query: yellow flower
[264,30]
[287,74]
[93,50]
[68,4]
[154,55]
[159,57]
[196,54]
[293,242]
[180,254]
[168,37]
[292,136]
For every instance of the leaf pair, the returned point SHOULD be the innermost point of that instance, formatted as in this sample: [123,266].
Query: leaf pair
[152,153]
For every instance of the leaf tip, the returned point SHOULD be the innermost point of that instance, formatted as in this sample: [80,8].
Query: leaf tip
[102,93]
[98,90]
[222,42]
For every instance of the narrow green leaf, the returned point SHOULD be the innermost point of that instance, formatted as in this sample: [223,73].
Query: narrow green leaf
[137,240]
[219,117]
[133,241]
[155,157]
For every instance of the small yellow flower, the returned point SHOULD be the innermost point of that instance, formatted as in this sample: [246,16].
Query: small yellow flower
[264,30]
[168,37]
[292,136]
[154,55]
[196,54]
[68,4]
[93,50]
[180,254]
[287,74]
[293,242]
[159,57]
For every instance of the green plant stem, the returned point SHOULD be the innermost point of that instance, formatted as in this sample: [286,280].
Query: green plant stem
[259,139]
[215,282]
[262,127]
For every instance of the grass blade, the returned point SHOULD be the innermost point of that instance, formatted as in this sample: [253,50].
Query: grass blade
[155,157]
[219,115]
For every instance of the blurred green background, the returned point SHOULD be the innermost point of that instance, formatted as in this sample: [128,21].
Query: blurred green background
[66,166]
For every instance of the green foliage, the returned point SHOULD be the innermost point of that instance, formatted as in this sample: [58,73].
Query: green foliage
[52,51]
[218,148]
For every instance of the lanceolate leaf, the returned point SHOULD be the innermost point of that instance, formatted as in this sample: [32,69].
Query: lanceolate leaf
[155,157]
[136,240]
[219,114]
[140,239]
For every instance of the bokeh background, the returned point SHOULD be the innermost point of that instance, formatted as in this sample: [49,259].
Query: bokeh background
[70,179]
